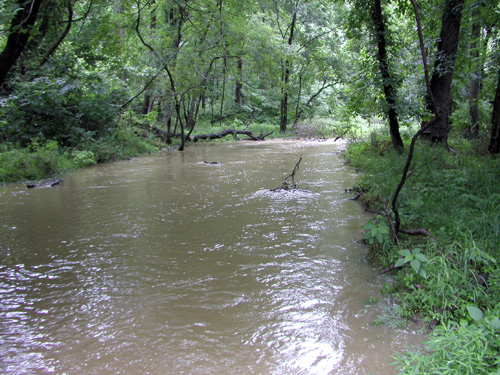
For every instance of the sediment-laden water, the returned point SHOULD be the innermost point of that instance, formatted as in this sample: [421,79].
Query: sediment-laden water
[168,265]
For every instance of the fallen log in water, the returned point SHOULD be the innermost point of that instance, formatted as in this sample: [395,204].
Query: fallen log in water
[47,184]
[227,132]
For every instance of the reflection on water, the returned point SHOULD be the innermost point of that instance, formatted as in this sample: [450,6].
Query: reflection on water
[168,265]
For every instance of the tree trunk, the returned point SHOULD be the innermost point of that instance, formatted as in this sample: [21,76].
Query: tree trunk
[390,95]
[285,77]
[442,75]
[284,101]
[18,35]
[474,83]
[494,147]
[298,111]
[238,96]
[146,103]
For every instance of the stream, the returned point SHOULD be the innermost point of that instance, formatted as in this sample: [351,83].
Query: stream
[165,264]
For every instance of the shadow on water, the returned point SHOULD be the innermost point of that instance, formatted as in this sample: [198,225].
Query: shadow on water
[168,265]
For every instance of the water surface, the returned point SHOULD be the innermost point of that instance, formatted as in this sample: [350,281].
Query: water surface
[168,265]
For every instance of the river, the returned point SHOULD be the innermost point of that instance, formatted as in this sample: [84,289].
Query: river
[165,264]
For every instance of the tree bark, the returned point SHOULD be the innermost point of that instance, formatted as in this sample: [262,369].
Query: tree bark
[389,91]
[494,147]
[442,75]
[18,35]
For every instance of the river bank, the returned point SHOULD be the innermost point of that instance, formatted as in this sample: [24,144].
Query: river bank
[449,279]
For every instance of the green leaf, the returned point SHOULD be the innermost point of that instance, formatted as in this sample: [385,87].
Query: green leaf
[421,257]
[404,252]
[415,264]
[368,226]
[383,230]
[475,313]
[423,273]
[495,324]
[400,262]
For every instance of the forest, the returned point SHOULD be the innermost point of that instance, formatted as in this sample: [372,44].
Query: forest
[413,86]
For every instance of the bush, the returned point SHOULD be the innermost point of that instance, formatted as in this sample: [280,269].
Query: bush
[56,108]
[24,164]
[120,144]
[42,160]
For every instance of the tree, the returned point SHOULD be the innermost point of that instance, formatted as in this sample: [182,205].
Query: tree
[22,23]
[286,68]
[442,75]
[389,92]
[494,147]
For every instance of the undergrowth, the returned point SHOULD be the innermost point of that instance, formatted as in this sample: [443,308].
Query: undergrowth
[45,159]
[450,280]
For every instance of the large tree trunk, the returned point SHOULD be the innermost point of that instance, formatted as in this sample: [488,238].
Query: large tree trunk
[390,95]
[19,33]
[284,100]
[442,75]
[494,147]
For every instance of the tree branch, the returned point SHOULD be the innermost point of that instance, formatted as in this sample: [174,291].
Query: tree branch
[61,37]
[144,89]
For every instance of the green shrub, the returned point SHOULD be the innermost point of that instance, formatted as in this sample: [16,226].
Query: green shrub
[83,158]
[56,108]
[40,162]
[120,144]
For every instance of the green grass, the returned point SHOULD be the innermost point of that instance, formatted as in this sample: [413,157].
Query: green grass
[455,196]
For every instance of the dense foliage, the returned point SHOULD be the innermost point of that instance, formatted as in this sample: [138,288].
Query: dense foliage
[90,81]
[75,72]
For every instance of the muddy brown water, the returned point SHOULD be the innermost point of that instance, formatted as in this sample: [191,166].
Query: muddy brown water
[167,265]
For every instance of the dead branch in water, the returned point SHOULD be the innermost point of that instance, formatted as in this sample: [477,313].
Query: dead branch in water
[285,185]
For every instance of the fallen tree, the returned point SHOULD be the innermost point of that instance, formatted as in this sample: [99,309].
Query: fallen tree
[227,132]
